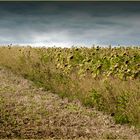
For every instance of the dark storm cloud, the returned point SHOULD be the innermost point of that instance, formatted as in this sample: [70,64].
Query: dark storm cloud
[67,23]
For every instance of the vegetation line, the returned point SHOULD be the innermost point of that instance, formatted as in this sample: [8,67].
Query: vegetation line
[105,78]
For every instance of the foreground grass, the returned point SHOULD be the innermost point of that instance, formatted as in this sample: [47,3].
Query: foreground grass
[108,79]
[30,112]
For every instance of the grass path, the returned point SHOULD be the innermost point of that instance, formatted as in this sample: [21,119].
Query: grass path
[29,112]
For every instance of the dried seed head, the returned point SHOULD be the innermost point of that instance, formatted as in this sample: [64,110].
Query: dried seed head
[126,62]
[66,65]
[99,67]
[71,57]
[88,60]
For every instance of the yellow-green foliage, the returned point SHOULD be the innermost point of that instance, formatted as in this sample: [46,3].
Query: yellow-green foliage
[105,78]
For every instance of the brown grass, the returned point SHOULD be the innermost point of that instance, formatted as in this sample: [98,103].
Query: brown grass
[115,96]
[30,112]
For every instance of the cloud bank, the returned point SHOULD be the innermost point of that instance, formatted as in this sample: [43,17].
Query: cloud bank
[70,23]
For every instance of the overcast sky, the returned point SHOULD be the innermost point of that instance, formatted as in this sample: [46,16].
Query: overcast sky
[70,23]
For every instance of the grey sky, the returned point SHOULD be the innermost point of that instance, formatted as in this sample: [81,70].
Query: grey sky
[70,23]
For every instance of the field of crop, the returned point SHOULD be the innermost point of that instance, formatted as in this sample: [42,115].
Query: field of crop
[105,78]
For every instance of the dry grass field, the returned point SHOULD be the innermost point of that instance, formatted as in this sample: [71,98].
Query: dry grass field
[86,80]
